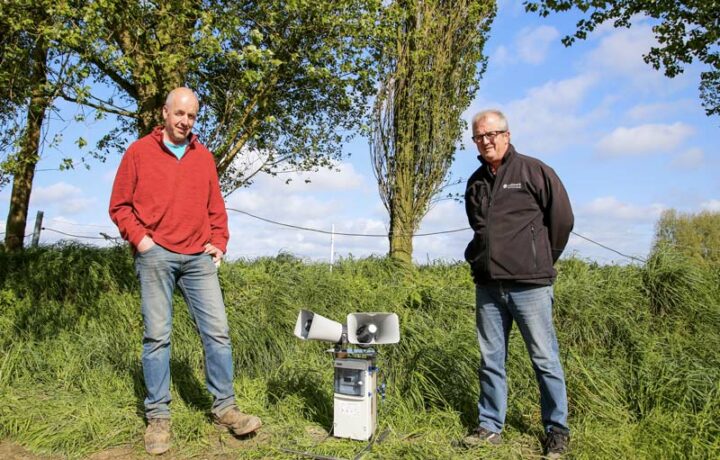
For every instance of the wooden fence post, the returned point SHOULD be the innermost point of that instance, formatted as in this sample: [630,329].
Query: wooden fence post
[36,231]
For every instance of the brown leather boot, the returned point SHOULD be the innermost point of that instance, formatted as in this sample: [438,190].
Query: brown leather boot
[157,436]
[238,423]
[483,436]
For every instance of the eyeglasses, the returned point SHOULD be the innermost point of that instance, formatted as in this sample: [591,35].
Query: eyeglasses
[491,135]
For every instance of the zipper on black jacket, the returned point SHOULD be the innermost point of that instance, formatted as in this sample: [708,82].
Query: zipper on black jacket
[491,193]
[534,250]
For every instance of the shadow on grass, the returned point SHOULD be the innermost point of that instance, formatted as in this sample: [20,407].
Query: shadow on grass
[58,286]
[191,391]
[318,404]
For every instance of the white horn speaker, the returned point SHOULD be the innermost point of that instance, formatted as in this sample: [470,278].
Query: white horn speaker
[373,328]
[311,326]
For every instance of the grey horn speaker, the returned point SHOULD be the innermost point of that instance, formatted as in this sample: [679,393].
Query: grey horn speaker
[311,326]
[373,328]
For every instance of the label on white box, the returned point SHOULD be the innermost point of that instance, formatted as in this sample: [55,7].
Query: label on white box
[348,409]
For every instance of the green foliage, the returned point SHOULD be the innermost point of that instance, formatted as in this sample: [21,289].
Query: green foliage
[30,68]
[642,360]
[686,30]
[282,81]
[696,236]
[287,83]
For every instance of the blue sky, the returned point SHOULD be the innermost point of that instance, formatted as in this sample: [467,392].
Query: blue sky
[626,141]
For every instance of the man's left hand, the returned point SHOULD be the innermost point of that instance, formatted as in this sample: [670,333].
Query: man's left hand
[216,253]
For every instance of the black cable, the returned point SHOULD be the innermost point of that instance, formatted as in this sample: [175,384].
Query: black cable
[104,236]
[74,236]
[317,230]
[298,227]
[609,248]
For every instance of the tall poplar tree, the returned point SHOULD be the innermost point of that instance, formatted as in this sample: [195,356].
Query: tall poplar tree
[431,64]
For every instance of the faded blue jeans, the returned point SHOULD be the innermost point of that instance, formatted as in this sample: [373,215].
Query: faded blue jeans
[498,304]
[159,271]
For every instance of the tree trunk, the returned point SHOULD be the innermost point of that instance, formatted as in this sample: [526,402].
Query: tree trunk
[29,154]
[401,235]
[149,113]
[402,217]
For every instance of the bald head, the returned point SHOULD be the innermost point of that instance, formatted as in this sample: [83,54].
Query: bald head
[181,93]
[179,112]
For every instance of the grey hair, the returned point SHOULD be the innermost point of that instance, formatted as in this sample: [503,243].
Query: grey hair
[491,112]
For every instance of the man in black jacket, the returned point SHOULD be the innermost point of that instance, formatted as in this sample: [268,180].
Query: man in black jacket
[521,218]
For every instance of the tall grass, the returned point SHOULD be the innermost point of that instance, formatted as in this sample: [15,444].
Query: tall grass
[640,346]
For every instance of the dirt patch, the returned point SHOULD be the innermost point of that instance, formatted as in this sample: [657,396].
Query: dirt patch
[222,447]
[116,453]
[12,451]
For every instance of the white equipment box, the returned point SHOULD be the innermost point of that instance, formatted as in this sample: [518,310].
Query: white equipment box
[355,404]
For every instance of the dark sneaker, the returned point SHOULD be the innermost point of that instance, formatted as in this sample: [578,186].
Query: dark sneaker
[157,436]
[236,422]
[556,442]
[483,436]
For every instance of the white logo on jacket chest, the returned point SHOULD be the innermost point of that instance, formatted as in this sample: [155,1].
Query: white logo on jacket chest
[517,185]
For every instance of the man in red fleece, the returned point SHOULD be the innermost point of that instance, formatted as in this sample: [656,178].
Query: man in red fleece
[166,202]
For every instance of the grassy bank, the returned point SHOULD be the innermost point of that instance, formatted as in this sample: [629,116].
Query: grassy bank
[640,345]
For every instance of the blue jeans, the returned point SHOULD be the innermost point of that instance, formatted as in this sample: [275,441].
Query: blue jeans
[530,306]
[159,270]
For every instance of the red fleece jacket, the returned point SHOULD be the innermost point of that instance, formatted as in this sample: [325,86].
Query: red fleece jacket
[176,202]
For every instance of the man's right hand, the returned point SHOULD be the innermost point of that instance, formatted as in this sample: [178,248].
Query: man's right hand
[145,244]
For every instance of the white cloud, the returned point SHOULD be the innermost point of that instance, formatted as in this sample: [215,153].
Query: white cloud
[531,46]
[643,139]
[55,193]
[444,215]
[561,94]
[690,159]
[513,8]
[608,230]
[77,205]
[300,201]
[711,205]
[500,56]
[659,110]
[548,118]
[341,177]
[328,199]
[533,43]
[621,50]
[63,197]
[610,208]
[282,205]
[619,55]
[251,238]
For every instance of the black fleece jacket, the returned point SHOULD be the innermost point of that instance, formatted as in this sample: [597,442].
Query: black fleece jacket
[521,220]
